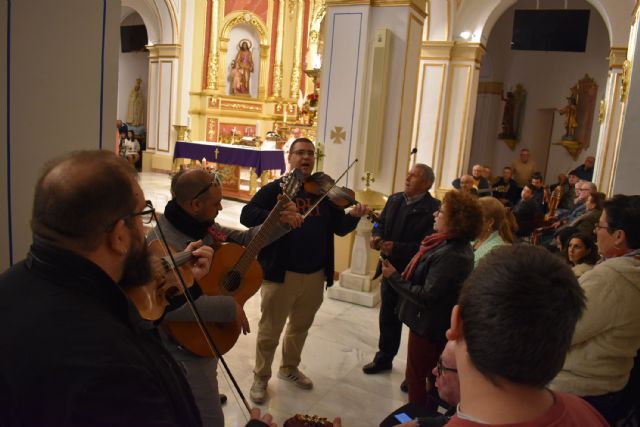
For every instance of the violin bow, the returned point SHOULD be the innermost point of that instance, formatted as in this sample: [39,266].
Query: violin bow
[196,314]
[327,192]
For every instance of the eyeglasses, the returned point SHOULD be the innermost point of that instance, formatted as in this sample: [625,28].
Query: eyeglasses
[146,215]
[597,227]
[302,153]
[204,190]
[442,369]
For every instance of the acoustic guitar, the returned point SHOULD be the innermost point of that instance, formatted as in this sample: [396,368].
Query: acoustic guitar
[234,272]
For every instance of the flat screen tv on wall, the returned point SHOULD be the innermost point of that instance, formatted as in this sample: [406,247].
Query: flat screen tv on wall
[133,38]
[550,30]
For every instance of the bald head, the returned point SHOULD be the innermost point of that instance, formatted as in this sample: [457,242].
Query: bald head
[191,182]
[466,182]
[80,195]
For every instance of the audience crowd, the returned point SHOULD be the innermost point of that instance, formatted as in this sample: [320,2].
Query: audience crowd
[521,298]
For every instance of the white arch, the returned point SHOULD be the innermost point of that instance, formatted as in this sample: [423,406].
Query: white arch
[159,17]
[479,17]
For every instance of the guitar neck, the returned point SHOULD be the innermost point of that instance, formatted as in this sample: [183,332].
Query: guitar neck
[260,240]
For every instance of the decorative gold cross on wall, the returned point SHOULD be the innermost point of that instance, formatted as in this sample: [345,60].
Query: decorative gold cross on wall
[216,152]
[338,135]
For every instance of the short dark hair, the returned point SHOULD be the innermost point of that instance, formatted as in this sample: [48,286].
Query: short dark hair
[507,168]
[463,214]
[622,214]
[537,175]
[78,196]
[297,140]
[598,199]
[519,309]
[563,234]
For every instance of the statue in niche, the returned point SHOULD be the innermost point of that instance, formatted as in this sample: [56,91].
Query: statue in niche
[508,116]
[135,108]
[242,67]
[570,112]
[512,115]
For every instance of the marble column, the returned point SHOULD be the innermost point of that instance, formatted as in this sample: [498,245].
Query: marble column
[163,76]
[347,84]
[449,88]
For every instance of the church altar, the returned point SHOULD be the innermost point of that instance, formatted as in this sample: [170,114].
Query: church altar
[239,155]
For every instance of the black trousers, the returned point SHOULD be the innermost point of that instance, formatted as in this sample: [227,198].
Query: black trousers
[390,325]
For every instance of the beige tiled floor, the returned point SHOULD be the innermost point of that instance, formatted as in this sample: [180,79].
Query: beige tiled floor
[342,339]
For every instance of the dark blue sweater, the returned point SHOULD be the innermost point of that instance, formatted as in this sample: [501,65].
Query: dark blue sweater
[306,249]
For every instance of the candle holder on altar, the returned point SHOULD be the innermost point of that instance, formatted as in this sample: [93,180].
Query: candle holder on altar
[180,132]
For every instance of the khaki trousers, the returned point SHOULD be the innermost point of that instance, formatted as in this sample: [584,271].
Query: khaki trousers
[297,299]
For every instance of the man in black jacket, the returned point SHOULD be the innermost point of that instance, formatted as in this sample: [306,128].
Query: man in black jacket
[77,351]
[405,220]
[295,269]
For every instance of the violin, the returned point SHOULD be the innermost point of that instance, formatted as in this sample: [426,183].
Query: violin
[152,299]
[322,185]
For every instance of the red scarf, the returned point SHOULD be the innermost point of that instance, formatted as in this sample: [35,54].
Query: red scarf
[428,243]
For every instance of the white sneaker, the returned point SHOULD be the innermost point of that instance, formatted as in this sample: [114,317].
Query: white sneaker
[296,377]
[258,392]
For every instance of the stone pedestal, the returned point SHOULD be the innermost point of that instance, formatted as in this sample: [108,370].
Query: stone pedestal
[355,284]
[357,289]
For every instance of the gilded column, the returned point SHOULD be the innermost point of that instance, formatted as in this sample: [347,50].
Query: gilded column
[610,119]
[212,71]
[297,65]
[277,68]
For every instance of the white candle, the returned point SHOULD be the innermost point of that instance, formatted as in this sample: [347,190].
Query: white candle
[257,128]
[188,122]
[285,114]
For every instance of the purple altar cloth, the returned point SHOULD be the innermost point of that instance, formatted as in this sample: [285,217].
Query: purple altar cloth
[261,160]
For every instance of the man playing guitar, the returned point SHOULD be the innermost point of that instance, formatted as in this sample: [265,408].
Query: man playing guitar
[190,216]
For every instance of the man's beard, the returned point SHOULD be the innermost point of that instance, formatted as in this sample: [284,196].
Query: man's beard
[137,267]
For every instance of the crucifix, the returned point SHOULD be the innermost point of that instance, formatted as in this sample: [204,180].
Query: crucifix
[216,152]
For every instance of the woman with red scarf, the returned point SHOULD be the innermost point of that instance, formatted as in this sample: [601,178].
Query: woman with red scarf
[430,284]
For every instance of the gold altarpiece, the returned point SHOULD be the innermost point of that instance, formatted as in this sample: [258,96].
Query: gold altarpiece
[286,36]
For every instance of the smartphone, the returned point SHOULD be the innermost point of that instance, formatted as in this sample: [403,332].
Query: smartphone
[402,417]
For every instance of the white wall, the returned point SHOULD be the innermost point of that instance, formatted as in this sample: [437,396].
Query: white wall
[57,76]
[547,77]
[132,65]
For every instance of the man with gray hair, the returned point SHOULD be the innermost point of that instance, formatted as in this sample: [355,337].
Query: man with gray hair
[405,220]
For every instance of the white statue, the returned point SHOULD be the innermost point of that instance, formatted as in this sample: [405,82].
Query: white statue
[135,110]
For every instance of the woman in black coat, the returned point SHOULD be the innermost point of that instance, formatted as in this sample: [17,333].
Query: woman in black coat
[430,285]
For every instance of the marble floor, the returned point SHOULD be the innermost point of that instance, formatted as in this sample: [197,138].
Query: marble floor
[342,339]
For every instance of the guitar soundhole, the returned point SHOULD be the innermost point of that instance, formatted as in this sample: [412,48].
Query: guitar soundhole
[232,281]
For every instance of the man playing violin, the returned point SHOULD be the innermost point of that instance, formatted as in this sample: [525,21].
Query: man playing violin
[75,349]
[190,216]
[405,220]
[295,269]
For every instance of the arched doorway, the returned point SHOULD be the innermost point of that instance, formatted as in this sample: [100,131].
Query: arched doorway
[133,72]
[546,77]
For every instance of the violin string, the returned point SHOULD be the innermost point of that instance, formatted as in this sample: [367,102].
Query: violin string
[210,342]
